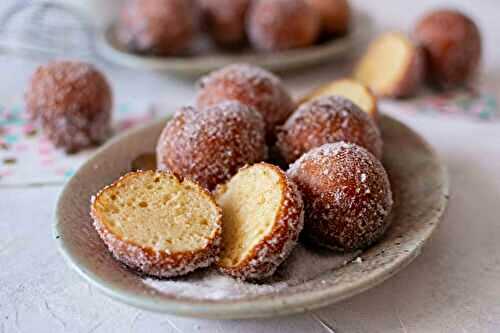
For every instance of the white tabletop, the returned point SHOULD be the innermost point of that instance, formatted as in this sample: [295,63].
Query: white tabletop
[453,286]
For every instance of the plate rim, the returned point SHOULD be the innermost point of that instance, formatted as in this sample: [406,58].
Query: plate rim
[257,308]
[275,61]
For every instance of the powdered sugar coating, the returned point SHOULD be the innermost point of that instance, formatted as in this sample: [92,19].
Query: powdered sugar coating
[275,247]
[452,42]
[225,20]
[347,195]
[250,85]
[162,27]
[282,24]
[327,119]
[72,101]
[209,146]
[150,261]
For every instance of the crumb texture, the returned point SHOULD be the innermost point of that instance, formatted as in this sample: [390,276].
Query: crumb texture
[387,64]
[156,214]
[262,216]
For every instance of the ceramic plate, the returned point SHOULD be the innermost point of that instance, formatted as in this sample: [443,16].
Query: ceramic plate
[204,59]
[309,279]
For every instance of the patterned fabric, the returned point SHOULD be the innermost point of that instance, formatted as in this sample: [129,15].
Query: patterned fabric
[23,147]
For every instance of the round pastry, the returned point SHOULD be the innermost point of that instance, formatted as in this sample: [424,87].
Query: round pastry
[262,216]
[160,27]
[392,66]
[347,196]
[335,16]
[452,42]
[351,89]
[224,20]
[72,101]
[210,146]
[249,85]
[275,25]
[158,225]
[327,119]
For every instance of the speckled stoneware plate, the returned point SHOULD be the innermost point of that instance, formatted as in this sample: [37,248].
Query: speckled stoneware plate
[309,279]
[203,58]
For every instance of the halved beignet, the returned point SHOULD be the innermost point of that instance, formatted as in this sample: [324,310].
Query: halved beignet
[262,214]
[353,90]
[158,225]
[393,66]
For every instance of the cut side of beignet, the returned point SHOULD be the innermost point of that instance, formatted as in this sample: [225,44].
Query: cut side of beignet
[262,217]
[158,225]
[393,66]
[353,90]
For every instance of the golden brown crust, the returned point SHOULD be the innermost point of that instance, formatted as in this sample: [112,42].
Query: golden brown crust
[210,145]
[327,119]
[249,85]
[347,196]
[275,247]
[149,261]
[224,20]
[335,16]
[412,79]
[275,25]
[452,44]
[72,101]
[161,27]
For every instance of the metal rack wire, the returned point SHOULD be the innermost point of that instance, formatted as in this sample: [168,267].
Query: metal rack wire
[45,30]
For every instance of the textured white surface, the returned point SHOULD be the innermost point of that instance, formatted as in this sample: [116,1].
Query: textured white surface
[452,287]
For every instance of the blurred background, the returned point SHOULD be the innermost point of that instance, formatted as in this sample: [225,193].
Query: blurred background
[451,287]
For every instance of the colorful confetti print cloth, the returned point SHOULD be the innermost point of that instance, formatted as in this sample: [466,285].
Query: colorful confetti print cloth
[28,158]
[479,104]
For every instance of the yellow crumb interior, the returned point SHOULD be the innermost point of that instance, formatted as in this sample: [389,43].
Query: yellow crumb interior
[385,62]
[155,210]
[351,90]
[250,204]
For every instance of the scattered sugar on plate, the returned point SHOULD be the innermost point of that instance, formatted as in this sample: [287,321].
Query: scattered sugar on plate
[303,265]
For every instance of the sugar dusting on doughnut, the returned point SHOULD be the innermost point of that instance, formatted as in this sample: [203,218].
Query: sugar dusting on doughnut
[163,27]
[327,119]
[275,25]
[249,85]
[210,145]
[72,101]
[347,195]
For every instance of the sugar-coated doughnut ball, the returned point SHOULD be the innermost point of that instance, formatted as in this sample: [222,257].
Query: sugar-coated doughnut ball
[262,218]
[335,15]
[249,85]
[72,101]
[224,20]
[347,196]
[327,119]
[210,145]
[275,25]
[160,27]
[452,43]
